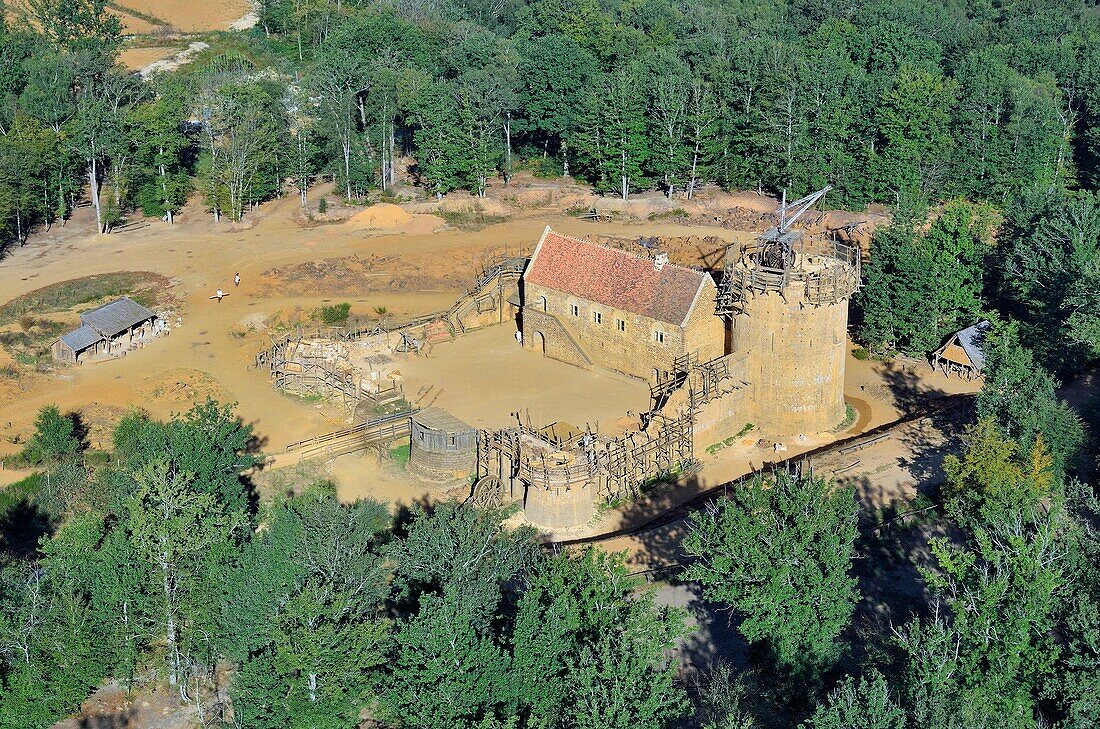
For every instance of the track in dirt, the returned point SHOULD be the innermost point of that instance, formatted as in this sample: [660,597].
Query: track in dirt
[681,511]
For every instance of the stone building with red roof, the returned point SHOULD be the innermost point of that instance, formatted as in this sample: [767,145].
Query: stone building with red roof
[596,306]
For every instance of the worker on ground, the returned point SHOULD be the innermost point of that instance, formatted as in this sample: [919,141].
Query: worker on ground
[236,279]
[219,296]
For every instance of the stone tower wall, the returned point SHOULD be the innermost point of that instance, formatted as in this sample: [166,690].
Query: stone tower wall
[436,455]
[560,507]
[796,356]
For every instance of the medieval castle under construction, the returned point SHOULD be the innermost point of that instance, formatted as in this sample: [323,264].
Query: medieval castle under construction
[762,341]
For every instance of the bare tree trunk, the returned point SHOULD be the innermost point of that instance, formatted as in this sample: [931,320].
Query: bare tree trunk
[170,630]
[46,203]
[694,172]
[164,191]
[313,687]
[508,147]
[347,161]
[93,180]
[624,177]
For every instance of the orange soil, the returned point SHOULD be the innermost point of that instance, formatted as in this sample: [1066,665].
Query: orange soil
[190,16]
[138,58]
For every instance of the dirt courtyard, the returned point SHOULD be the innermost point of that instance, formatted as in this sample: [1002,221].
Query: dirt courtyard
[485,376]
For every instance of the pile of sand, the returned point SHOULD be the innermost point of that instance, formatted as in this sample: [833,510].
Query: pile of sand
[380,216]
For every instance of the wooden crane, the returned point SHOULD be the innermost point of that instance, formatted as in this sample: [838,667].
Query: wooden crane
[778,249]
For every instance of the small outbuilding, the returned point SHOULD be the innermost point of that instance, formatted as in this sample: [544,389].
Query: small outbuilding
[113,326]
[962,353]
[442,447]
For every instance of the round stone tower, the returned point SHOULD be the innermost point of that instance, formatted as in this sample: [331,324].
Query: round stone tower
[787,296]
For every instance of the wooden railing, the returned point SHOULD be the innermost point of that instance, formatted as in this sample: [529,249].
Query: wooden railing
[357,437]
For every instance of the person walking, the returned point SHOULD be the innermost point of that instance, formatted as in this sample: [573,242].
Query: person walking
[236,279]
[219,296]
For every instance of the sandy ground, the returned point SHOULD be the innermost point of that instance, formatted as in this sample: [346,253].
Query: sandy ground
[136,59]
[192,16]
[484,377]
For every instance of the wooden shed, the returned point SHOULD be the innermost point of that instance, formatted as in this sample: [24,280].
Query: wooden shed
[962,353]
[82,342]
[113,326]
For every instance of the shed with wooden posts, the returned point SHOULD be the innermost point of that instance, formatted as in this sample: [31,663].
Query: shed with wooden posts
[108,328]
[962,353]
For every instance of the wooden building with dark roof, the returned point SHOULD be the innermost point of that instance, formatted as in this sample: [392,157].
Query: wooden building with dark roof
[106,329]
[962,353]
[594,305]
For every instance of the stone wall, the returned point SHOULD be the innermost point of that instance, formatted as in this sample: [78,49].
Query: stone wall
[705,332]
[632,347]
[440,456]
[562,507]
[796,360]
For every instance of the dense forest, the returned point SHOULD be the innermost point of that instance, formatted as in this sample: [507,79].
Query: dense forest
[157,563]
[898,103]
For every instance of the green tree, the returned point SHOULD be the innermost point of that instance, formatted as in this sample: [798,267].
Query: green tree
[987,665]
[591,652]
[449,670]
[991,476]
[922,286]
[864,704]
[55,437]
[177,531]
[1048,275]
[209,441]
[1078,678]
[464,551]
[1020,396]
[779,550]
[916,141]
[303,613]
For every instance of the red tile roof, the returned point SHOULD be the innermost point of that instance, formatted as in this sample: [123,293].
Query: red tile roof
[614,278]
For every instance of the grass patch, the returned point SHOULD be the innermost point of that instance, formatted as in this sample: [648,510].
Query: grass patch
[850,416]
[715,447]
[30,344]
[399,405]
[335,314]
[400,454]
[862,353]
[310,397]
[150,19]
[675,214]
[144,287]
[663,477]
[475,219]
[20,492]
[545,168]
